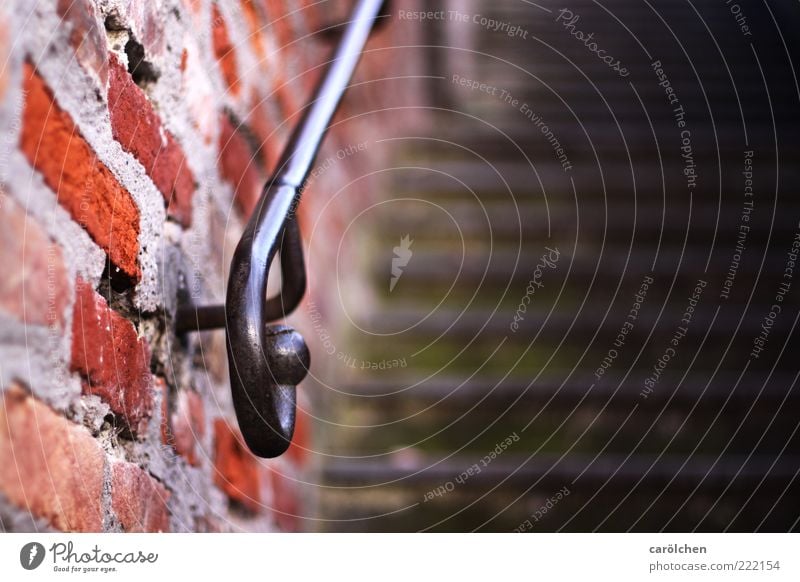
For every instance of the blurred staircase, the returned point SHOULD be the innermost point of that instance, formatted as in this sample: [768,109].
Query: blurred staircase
[464,418]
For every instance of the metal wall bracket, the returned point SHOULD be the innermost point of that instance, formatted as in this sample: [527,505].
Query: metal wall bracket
[268,361]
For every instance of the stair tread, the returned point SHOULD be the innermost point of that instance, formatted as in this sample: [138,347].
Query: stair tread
[523,469]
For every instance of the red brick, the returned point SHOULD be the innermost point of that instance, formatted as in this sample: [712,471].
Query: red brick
[258,119]
[195,6]
[198,91]
[225,51]
[288,98]
[280,26]
[255,25]
[35,287]
[144,19]
[308,82]
[48,465]
[164,428]
[188,426]
[138,500]
[285,501]
[236,469]
[137,127]
[237,166]
[113,361]
[147,25]
[311,14]
[85,186]
[87,37]
[280,22]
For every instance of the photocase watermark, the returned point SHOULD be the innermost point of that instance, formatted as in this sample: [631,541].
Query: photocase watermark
[196,248]
[627,327]
[530,114]
[66,559]
[744,226]
[679,115]
[739,17]
[537,515]
[347,360]
[322,332]
[31,555]
[340,154]
[760,341]
[474,469]
[551,138]
[8,143]
[568,19]
[54,289]
[323,166]
[486,22]
[672,349]
[547,261]
[402,255]
[87,198]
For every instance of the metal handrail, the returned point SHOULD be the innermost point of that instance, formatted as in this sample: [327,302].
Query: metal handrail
[267,362]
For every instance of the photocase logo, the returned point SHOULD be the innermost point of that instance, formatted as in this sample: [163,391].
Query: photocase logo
[402,255]
[31,555]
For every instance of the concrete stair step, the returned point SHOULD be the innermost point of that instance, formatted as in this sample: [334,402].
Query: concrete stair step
[582,387]
[612,221]
[555,322]
[385,426]
[576,493]
[543,180]
[644,471]
[606,265]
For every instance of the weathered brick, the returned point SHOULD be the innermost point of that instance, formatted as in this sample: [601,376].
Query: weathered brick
[286,90]
[198,91]
[215,351]
[35,288]
[138,500]
[280,22]
[280,27]
[270,138]
[236,469]
[144,19]
[137,127]
[237,165]
[255,24]
[225,51]
[87,37]
[85,186]
[148,26]
[311,13]
[194,6]
[188,426]
[113,362]
[48,465]
[285,499]
[164,428]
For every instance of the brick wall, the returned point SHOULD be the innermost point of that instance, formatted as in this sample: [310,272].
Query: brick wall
[136,135]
